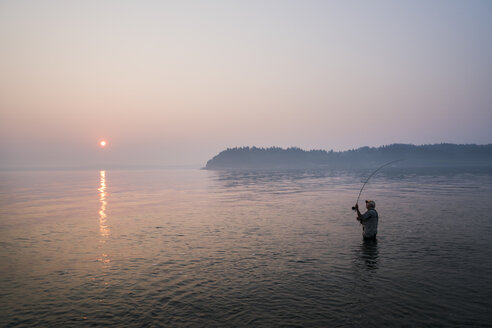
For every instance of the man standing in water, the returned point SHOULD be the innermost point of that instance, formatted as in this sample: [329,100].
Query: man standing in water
[369,220]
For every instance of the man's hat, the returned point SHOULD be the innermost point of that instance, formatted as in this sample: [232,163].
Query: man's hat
[371,203]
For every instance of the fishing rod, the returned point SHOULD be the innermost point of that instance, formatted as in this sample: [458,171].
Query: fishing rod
[360,192]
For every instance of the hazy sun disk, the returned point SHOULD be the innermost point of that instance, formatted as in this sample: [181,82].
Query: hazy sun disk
[103,143]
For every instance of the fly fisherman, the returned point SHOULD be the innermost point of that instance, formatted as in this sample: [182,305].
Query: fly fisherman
[369,220]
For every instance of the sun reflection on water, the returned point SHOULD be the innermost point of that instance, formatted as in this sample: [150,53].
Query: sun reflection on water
[103,228]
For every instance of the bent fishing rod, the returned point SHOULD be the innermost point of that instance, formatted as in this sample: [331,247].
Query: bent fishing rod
[360,192]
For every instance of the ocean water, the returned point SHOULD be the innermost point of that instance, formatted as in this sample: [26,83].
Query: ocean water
[195,248]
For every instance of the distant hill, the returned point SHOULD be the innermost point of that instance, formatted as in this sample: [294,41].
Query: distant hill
[424,155]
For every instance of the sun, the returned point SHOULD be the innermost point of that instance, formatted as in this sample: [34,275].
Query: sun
[103,143]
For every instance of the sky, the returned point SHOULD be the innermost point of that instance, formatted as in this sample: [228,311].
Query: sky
[175,82]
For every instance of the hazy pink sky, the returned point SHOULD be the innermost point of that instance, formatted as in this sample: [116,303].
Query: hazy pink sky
[175,82]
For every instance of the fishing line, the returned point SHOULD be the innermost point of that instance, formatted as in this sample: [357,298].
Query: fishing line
[360,192]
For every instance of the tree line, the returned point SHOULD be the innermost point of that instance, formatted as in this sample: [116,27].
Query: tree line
[294,157]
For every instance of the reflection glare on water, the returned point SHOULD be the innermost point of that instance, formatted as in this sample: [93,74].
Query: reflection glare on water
[103,228]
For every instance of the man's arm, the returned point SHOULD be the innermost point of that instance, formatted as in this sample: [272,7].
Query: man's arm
[358,212]
[364,217]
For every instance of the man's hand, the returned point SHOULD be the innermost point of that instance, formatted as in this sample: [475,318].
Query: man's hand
[356,206]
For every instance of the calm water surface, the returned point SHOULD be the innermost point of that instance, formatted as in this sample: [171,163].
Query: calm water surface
[196,248]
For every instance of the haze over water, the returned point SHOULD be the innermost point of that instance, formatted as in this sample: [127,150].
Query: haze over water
[176,82]
[244,248]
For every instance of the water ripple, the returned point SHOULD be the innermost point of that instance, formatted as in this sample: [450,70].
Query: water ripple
[264,249]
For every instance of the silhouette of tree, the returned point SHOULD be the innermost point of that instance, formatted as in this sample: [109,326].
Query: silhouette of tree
[294,157]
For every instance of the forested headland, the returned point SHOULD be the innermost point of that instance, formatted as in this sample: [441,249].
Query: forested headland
[423,155]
